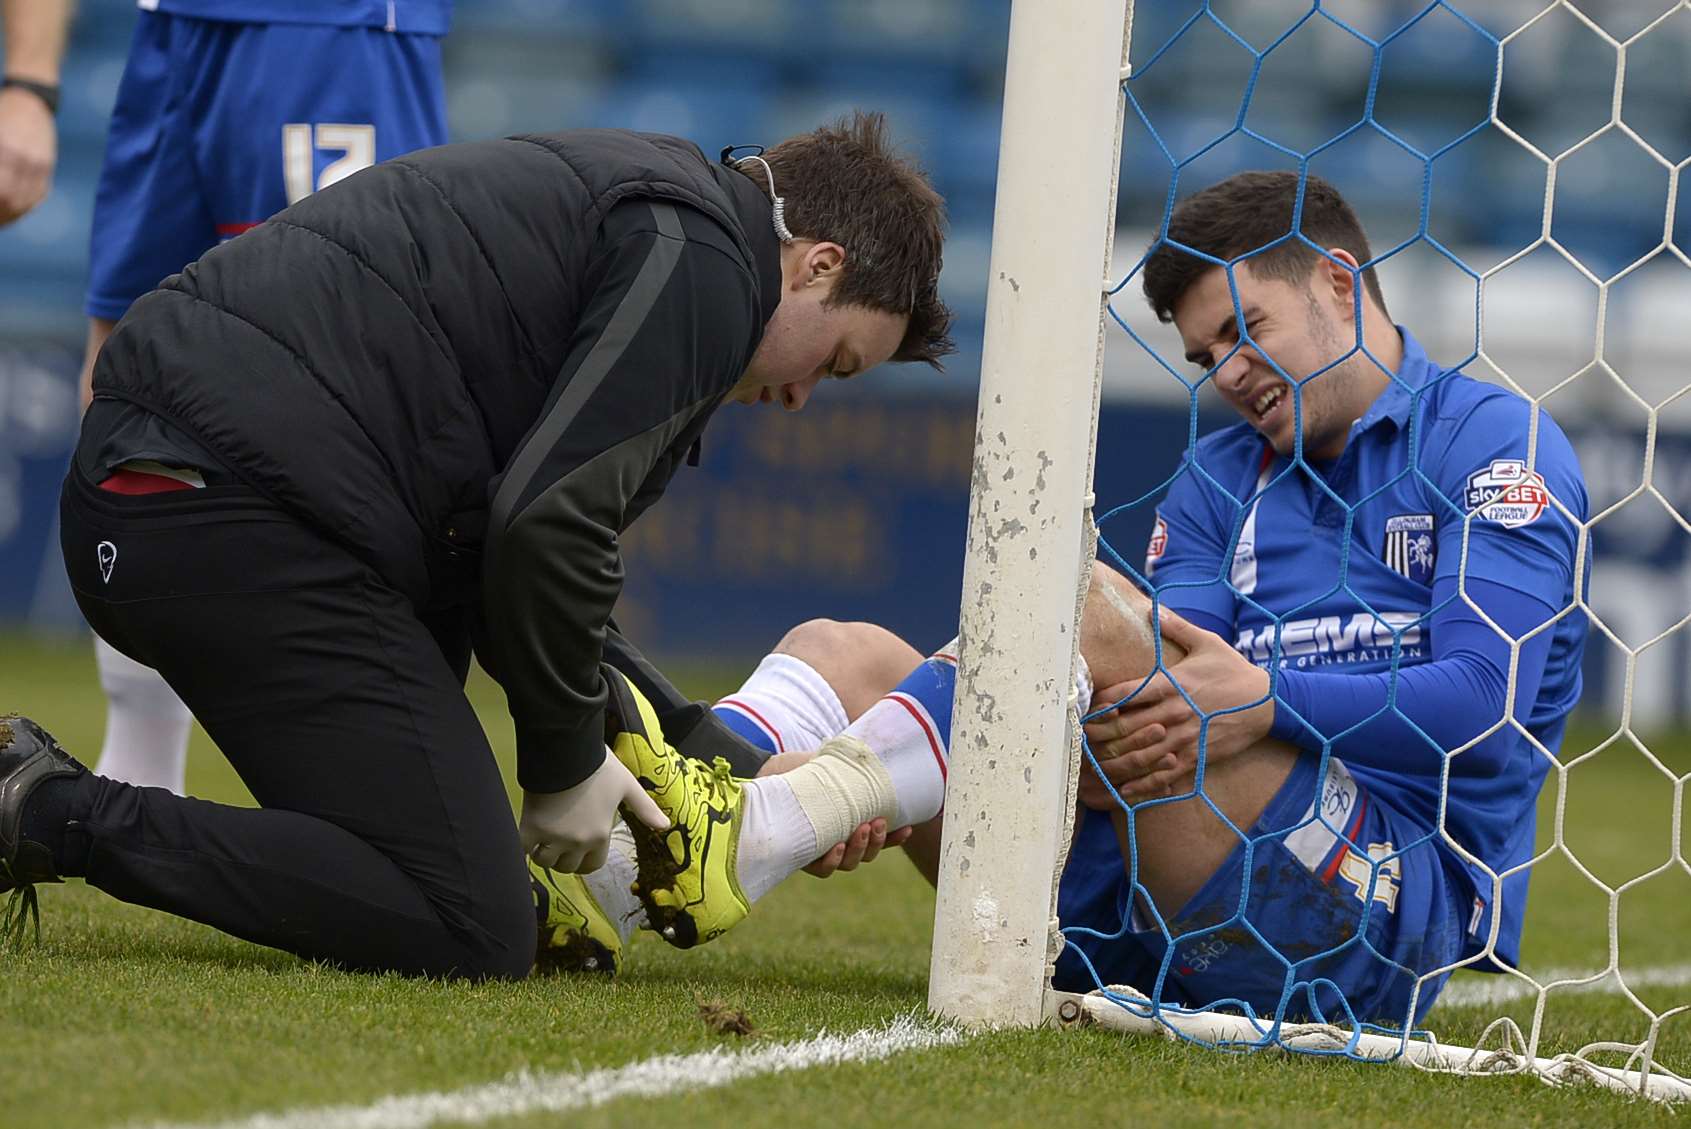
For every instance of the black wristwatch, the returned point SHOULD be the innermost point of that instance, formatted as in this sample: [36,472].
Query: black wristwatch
[45,91]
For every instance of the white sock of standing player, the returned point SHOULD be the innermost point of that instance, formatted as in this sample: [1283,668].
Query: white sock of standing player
[147,725]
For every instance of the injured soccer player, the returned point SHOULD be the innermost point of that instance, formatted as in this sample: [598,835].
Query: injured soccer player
[880,761]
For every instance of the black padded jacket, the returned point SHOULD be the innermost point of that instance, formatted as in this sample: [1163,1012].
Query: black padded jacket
[474,366]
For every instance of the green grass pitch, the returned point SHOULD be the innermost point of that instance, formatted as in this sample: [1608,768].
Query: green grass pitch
[124,1016]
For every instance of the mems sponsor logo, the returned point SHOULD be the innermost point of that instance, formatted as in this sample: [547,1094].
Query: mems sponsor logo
[1324,640]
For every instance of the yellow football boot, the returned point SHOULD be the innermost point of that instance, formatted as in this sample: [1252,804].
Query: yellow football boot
[576,934]
[685,877]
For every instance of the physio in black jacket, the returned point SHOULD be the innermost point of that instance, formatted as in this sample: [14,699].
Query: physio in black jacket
[412,413]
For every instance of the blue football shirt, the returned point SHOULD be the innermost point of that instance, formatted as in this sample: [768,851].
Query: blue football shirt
[425,17]
[1332,567]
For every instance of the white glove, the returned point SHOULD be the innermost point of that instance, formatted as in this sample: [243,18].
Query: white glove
[571,830]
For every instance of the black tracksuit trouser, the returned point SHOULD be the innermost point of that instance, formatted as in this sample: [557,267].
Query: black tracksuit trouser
[384,839]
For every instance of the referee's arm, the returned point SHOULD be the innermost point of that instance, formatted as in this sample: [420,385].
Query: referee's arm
[665,333]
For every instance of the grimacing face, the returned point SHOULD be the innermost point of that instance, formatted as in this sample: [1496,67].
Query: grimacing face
[1305,327]
[807,340]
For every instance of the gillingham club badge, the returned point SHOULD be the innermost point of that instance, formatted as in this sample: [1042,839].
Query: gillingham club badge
[1409,547]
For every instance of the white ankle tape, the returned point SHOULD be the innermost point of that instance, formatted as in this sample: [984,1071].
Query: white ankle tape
[843,786]
[1083,688]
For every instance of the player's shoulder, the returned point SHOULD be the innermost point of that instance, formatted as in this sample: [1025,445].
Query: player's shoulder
[1230,458]
[1481,429]
[1233,449]
[1468,412]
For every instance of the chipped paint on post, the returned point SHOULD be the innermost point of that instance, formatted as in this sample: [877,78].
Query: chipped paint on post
[1029,541]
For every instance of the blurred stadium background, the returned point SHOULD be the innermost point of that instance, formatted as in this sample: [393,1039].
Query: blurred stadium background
[856,508]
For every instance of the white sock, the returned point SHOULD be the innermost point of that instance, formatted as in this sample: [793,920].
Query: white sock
[888,764]
[776,838]
[784,706]
[146,724]
[612,884]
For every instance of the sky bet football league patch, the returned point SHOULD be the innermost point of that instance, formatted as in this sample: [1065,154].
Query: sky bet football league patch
[1507,493]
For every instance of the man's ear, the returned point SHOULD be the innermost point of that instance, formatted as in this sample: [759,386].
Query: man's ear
[823,261]
[1341,276]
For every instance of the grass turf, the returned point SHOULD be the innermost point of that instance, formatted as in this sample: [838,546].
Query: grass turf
[124,1015]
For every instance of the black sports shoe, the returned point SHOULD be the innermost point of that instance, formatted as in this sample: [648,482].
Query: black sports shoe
[28,756]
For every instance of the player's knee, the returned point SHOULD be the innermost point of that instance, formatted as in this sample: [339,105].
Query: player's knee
[1115,629]
[861,661]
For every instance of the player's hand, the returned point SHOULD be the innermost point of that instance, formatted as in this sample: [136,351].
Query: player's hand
[29,146]
[1156,725]
[571,830]
[1123,773]
[867,841]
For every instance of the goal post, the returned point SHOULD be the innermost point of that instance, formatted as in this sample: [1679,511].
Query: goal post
[1014,754]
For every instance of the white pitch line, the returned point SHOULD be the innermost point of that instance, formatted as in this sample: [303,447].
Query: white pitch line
[526,1093]
[1492,990]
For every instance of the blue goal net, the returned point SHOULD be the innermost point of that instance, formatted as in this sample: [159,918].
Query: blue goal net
[1403,820]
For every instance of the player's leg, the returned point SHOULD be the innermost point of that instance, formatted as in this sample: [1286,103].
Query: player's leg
[385,840]
[859,662]
[821,676]
[1334,910]
[863,663]
[1180,843]
[150,218]
[147,725]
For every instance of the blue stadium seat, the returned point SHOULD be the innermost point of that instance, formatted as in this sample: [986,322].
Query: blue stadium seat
[88,91]
[500,105]
[711,113]
[927,33]
[749,26]
[965,160]
[101,26]
[545,18]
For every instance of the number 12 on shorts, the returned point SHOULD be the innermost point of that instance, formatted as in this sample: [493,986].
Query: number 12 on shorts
[300,142]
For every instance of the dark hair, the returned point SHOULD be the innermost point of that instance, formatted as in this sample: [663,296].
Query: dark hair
[1247,211]
[844,183]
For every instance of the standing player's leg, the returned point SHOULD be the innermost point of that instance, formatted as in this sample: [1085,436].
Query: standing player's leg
[147,725]
[216,128]
[150,218]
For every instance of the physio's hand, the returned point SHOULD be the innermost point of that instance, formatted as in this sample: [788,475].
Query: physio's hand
[867,841]
[571,830]
[28,149]
[1152,741]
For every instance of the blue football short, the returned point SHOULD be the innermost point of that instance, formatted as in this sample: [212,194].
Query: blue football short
[220,125]
[1343,896]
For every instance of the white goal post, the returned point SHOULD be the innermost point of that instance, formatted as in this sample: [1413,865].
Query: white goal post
[1013,765]
[1015,751]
